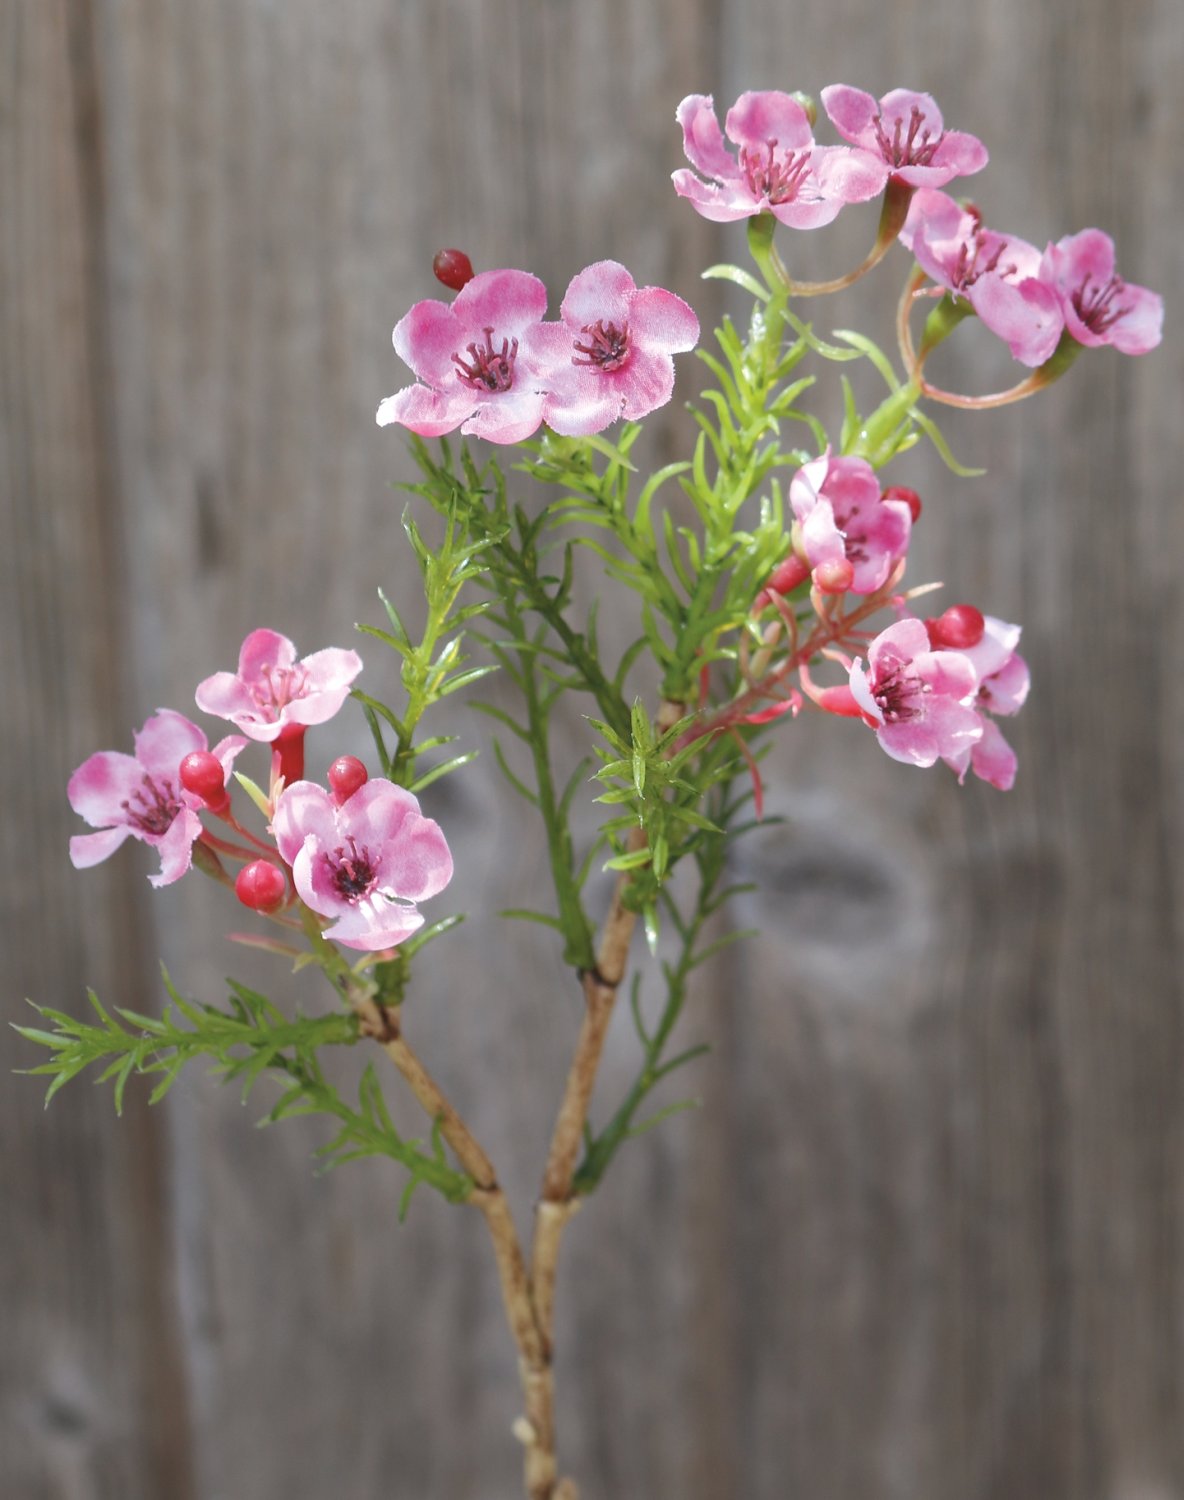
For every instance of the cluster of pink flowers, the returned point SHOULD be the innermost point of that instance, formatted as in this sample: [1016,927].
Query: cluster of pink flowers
[900,142]
[360,854]
[930,688]
[928,699]
[490,364]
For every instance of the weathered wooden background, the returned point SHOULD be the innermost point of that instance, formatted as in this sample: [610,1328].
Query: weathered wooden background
[926,1238]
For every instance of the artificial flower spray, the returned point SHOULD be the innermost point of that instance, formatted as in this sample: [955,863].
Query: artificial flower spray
[766,570]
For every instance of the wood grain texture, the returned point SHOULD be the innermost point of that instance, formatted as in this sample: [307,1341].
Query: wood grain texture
[926,1236]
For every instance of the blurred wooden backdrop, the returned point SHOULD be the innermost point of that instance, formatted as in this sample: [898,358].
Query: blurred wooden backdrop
[926,1238]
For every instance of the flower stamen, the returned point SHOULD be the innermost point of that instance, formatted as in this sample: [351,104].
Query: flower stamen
[1097,309]
[607,348]
[918,147]
[776,179]
[156,805]
[352,872]
[489,369]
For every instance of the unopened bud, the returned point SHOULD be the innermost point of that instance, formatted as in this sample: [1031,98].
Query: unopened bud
[201,773]
[261,885]
[839,700]
[809,104]
[453,268]
[834,576]
[346,775]
[786,576]
[910,498]
[959,628]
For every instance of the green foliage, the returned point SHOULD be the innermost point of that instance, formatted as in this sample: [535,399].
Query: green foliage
[250,1039]
[709,851]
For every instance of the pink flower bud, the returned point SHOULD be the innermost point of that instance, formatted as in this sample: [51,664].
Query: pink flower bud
[839,700]
[261,885]
[346,775]
[202,773]
[453,268]
[834,576]
[786,576]
[959,628]
[910,498]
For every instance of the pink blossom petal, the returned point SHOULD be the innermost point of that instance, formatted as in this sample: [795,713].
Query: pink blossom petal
[227,751]
[429,413]
[602,292]
[997,647]
[226,696]
[850,175]
[1140,328]
[1006,690]
[374,924]
[949,674]
[328,675]
[1026,317]
[1088,256]
[582,404]
[304,811]
[993,759]
[507,418]
[508,301]
[175,847]
[762,116]
[852,112]
[164,742]
[922,742]
[102,784]
[264,651]
[898,104]
[426,337]
[662,321]
[703,140]
[806,213]
[722,203]
[87,849]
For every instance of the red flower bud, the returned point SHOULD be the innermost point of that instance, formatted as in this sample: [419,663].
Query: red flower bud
[261,885]
[959,628]
[788,574]
[453,268]
[835,575]
[910,498]
[201,773]
[346,775]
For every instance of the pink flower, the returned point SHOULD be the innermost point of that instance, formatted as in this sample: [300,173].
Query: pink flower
[365,862]
[778,168]
[843,514]
[610,357]
[1099,307]
[1003,682]
[917,699]
[142,795]
[905,129]
[472,360]
[272,692]
[999,275]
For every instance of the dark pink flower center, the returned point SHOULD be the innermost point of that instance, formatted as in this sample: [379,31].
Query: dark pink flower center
[775,177]
[975,259]
[488,369]
[607,348]
[853,528]
[352,870]
[916,149]
[151,810]
[275,687]
[1100,308]
[897,692]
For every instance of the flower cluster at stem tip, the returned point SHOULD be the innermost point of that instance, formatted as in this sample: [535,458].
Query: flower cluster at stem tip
[358,855]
